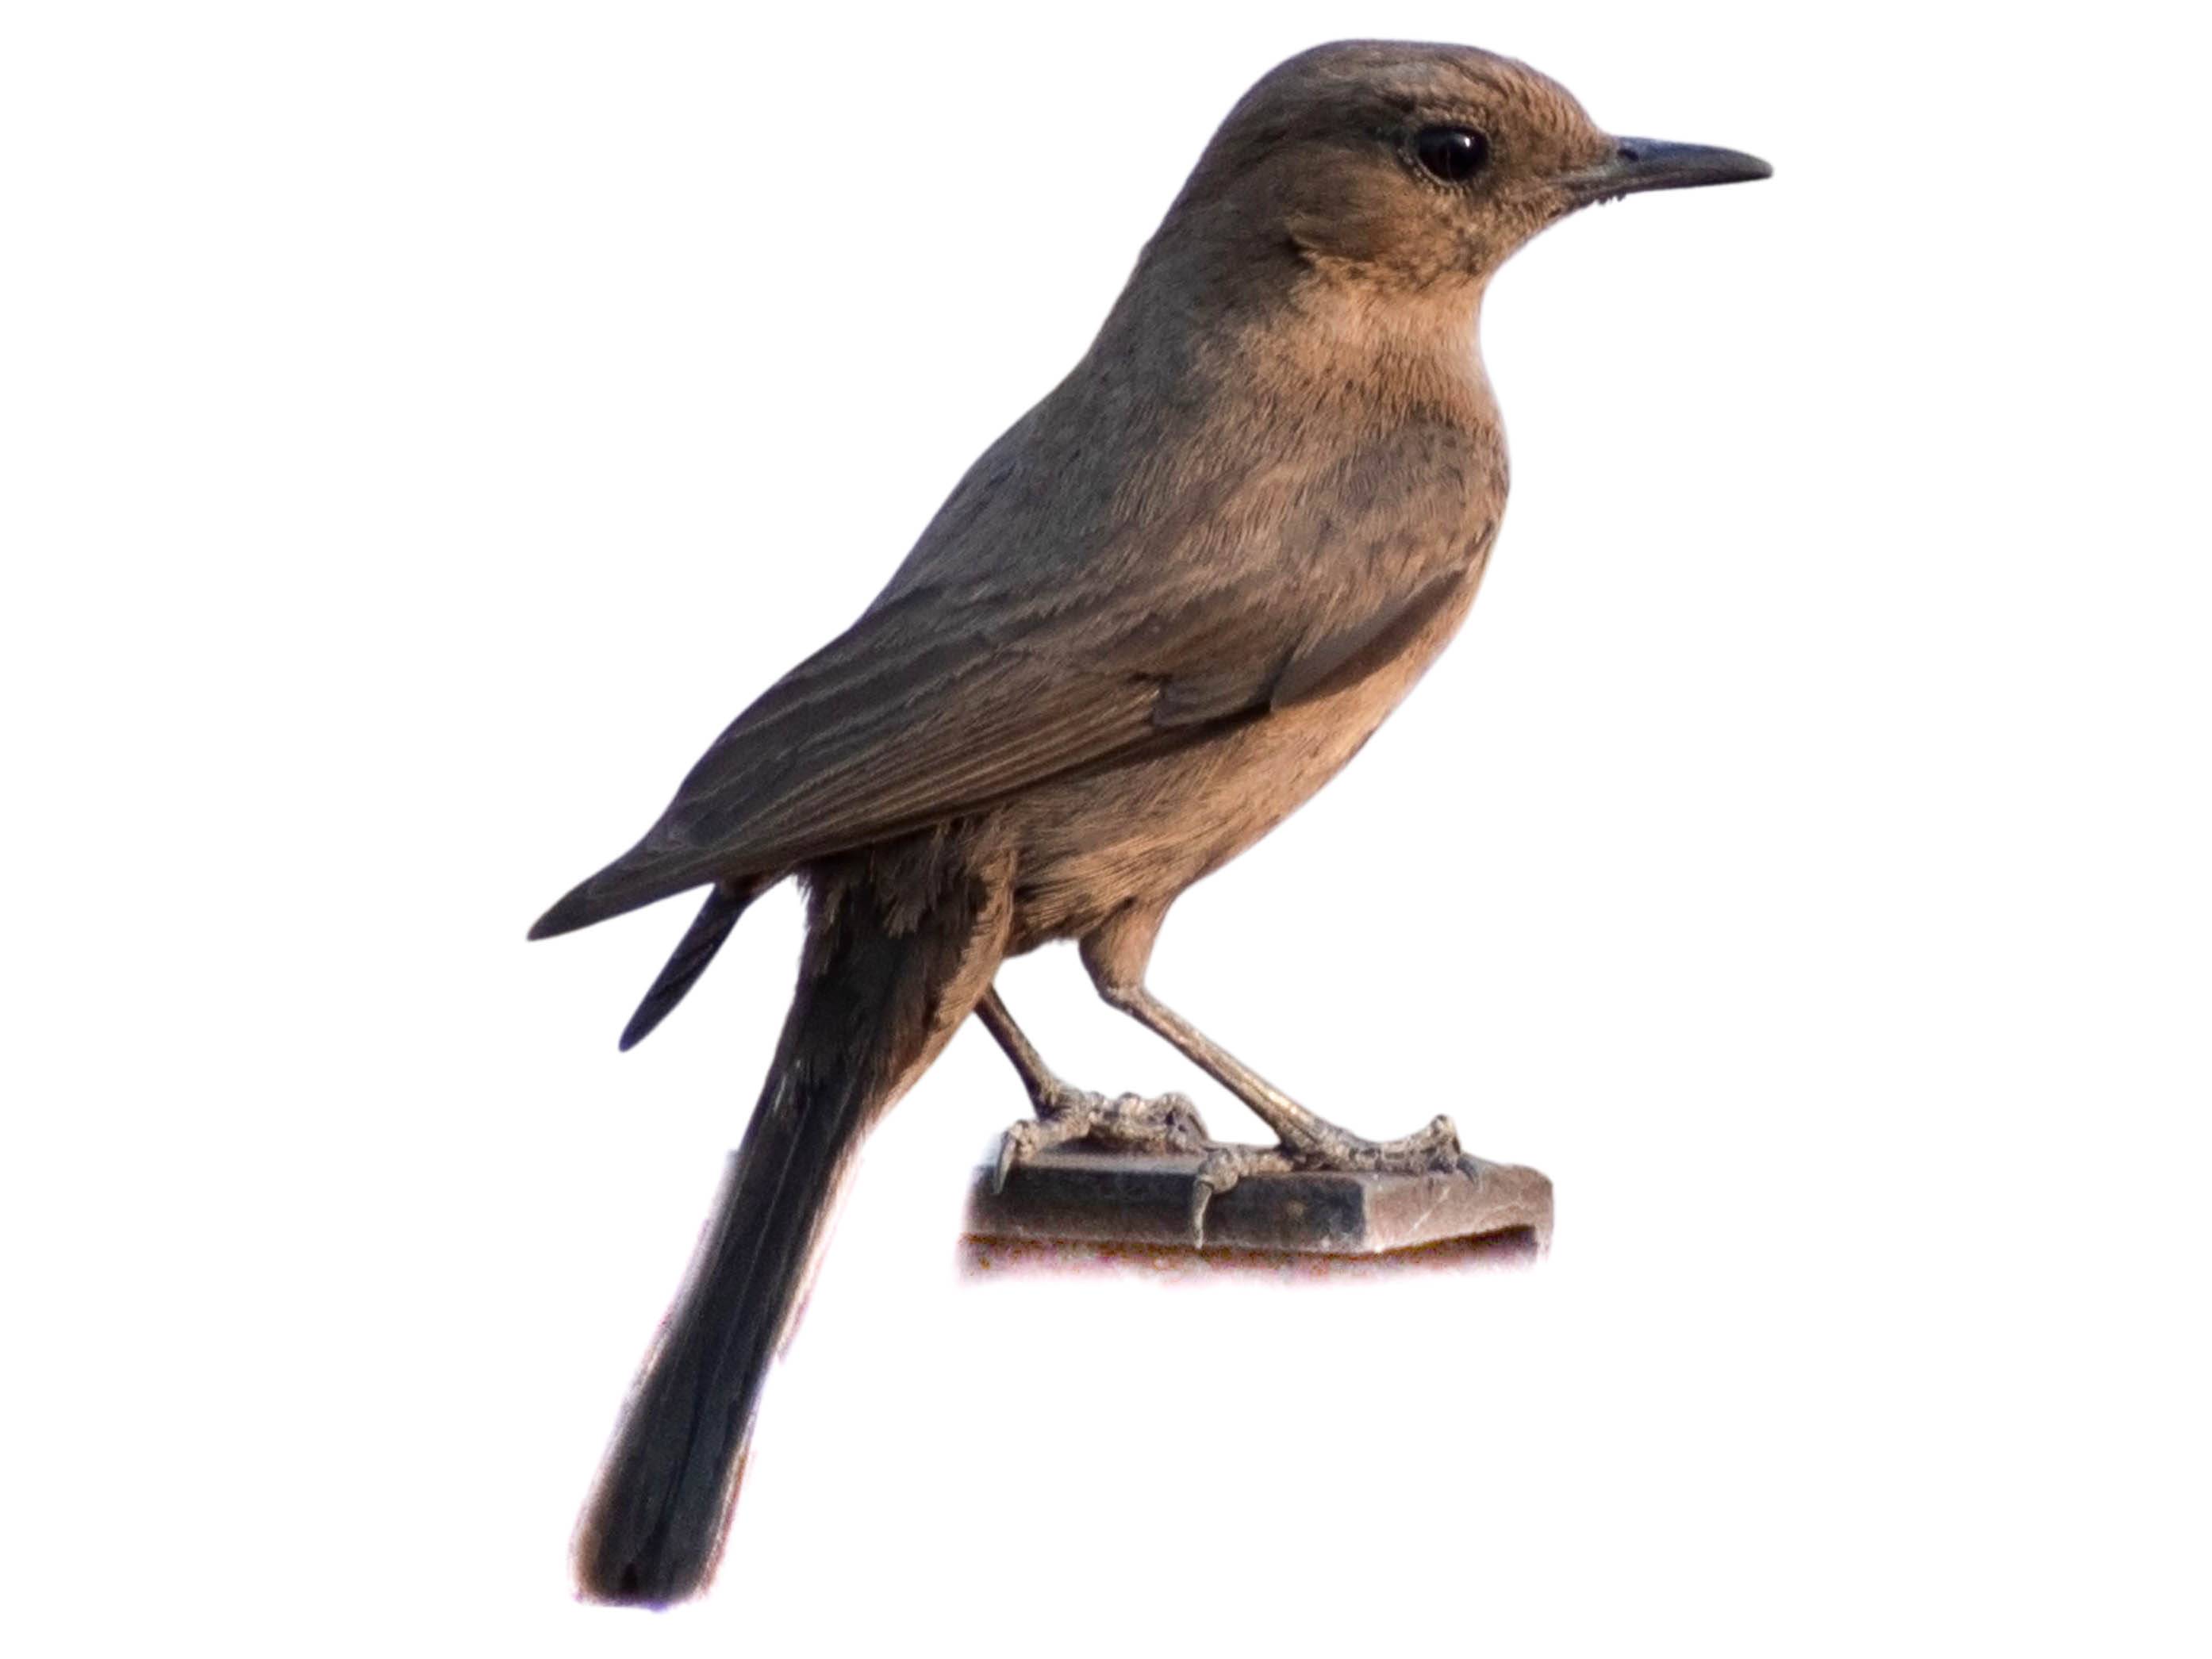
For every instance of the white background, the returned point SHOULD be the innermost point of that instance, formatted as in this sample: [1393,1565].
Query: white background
[425,425]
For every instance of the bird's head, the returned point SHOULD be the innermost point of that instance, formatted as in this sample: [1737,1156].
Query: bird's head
[1420,167]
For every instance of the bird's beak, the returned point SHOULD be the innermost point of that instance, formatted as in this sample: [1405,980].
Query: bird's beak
[1654,164]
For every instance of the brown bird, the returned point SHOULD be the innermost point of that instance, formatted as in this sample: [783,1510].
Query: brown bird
[1160,612]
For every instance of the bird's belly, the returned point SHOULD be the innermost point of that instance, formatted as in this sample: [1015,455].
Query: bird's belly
[1142,832]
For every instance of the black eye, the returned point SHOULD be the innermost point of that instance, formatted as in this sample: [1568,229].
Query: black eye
[1454,154]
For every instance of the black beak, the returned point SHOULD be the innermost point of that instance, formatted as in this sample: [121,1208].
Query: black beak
[1655,164]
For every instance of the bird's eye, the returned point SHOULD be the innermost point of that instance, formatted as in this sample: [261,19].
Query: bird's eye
[1454,154]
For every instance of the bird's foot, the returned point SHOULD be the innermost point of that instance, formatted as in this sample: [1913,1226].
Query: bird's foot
[1435,1150]
[1162,1123]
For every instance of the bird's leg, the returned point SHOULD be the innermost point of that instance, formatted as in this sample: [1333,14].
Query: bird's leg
[1165,1123]
[1308,1141]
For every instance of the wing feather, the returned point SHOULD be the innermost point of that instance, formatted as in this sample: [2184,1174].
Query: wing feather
[933,704]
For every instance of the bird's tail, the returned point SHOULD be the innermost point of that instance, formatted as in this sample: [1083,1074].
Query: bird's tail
[881,990]
[709,930]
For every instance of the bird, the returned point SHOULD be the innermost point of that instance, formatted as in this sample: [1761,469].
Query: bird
[1171,602]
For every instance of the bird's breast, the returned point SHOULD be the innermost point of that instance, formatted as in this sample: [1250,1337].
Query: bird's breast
[1142,832]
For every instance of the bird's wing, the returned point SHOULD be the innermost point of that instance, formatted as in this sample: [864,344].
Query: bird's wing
[937,703]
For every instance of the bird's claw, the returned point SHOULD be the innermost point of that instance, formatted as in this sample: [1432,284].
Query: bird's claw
[1018,1143]
[1215,1176]
[1434,1149]
[1162,1123]
[1225,1166]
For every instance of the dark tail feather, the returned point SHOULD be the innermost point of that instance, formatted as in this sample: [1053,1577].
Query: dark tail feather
[713,924]
[645,875]
[872,1007]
